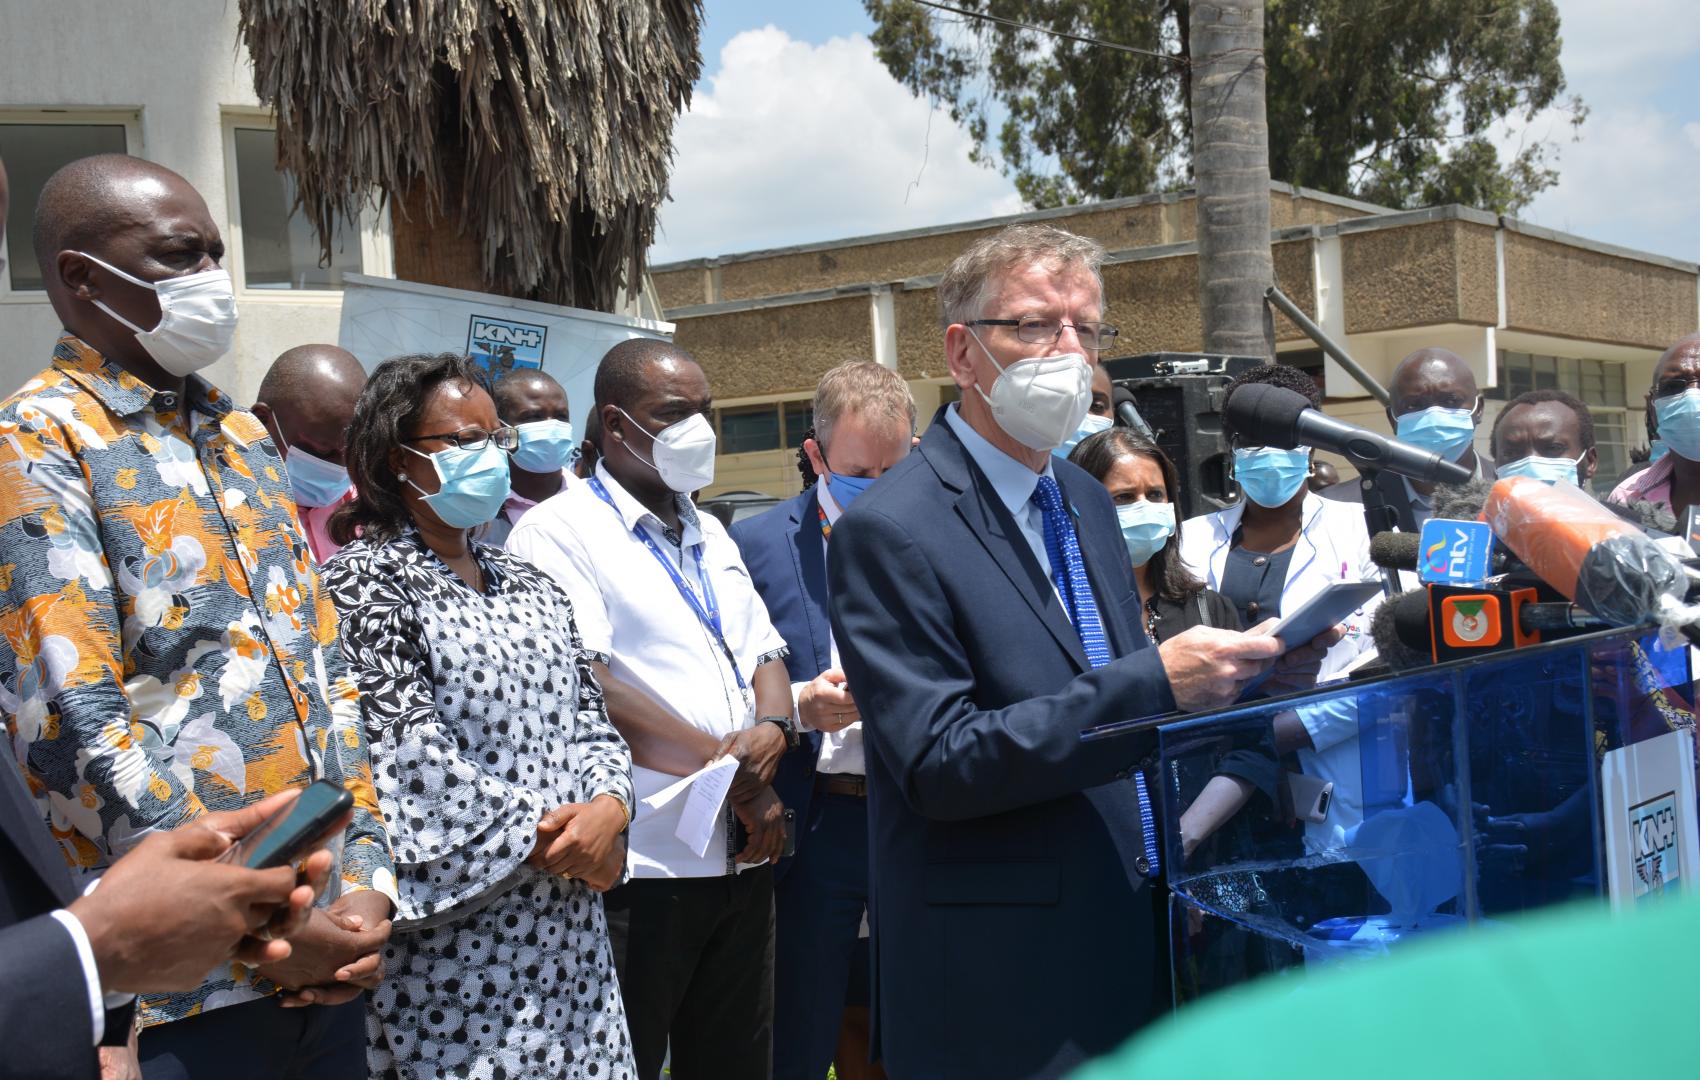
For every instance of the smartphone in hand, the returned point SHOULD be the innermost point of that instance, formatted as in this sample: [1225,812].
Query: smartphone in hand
[295,830]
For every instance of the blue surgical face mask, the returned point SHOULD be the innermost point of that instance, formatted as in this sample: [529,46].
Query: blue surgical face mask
[1656,450]
[1089,425]
[1146,527]
[1679,422]
[473,484]
[1270,476]
[314,481]
[545,446]
[1549,469]
[1442,431]
[844,489]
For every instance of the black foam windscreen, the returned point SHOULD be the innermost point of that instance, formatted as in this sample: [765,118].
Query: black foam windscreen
[1400,630]
[1264,414]
[1461,502]
[1394,550]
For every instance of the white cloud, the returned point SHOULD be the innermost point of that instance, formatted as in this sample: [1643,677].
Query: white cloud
[1629,181]
[1622,48]
[792,142]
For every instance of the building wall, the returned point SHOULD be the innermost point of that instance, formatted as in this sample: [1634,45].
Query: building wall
[1120,225]
[1591,294]
[180,72]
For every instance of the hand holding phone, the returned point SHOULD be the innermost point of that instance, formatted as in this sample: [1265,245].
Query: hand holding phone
[321,810]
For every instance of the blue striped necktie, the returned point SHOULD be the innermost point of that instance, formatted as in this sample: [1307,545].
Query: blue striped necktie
[1068,574]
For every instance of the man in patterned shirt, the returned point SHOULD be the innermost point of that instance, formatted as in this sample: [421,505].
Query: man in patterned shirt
[165,650]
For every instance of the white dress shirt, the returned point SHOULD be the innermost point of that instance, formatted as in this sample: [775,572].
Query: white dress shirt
[633,618]
[99,1002]
[840,751]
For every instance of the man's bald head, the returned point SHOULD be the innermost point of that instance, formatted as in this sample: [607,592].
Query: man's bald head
[92,199]
[135,215]
[518,389]
[308,396]
[1431,377]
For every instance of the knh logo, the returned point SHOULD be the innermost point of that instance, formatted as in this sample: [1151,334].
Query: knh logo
[501,345]
[1469,623]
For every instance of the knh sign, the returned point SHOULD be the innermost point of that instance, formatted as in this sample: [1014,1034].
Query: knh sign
[1653,831]
[501,345]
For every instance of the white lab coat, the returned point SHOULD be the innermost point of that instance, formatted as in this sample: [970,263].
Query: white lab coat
[1333,546]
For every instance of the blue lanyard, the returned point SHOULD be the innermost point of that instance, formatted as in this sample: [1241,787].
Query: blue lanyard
[709,614]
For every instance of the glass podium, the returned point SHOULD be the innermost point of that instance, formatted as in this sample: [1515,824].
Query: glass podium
[1320,827]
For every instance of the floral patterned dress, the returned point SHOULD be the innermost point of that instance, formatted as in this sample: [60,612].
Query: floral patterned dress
[483,715]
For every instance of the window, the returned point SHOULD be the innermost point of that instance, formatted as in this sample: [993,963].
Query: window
[749,430]
[279,249]
[799,418]
[1599,383]
[33,152]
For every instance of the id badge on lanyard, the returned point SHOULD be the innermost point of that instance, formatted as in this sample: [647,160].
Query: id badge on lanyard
[707,608]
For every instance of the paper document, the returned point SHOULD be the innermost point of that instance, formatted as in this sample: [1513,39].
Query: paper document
[702,805]
[707,789]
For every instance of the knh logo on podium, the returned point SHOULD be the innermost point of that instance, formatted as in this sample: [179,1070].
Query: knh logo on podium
[1454,552]
[1654,839]
[500,345]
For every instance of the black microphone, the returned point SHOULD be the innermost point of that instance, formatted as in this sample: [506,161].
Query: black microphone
[1128,413]
[1408,625]
[1269,415]
[1402,551]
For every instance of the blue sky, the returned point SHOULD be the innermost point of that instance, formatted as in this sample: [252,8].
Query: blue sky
[797,134]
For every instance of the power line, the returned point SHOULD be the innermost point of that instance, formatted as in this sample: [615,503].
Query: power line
[1012,23]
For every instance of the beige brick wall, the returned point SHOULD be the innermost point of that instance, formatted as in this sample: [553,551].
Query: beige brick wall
[1554,288]
[779,349]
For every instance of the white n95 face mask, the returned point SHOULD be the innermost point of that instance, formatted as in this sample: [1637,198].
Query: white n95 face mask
[1040,401]
[683,453]
[197,318]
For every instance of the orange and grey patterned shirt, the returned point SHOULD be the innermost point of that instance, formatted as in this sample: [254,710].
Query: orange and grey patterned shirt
[165,648]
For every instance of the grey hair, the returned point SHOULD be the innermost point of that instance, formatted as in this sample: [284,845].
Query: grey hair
[968,284]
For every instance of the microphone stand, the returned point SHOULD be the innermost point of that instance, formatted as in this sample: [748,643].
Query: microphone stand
[1378,518]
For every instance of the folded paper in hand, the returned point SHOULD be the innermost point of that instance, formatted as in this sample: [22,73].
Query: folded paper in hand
[707,788]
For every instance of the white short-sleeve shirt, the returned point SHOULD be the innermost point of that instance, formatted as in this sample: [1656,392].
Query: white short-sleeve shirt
[632,617]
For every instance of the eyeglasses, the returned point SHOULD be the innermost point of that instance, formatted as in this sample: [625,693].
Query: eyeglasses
[1096,336]
[505,438]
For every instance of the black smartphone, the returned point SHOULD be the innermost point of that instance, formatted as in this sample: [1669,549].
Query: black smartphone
[790,848]
[295,830]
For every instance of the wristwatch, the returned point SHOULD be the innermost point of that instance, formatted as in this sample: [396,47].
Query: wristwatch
[793,737]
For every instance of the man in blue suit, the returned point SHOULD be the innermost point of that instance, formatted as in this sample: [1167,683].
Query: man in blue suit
[864,423]
[985,611]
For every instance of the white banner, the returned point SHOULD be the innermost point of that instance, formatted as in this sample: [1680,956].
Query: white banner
[383,317]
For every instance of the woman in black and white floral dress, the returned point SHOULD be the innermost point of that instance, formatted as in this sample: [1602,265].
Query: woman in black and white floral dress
[505,788]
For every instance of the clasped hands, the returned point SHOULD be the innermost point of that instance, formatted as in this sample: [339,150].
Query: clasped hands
[584,841]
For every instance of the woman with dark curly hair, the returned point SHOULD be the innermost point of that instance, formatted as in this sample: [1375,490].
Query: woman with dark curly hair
[506,789]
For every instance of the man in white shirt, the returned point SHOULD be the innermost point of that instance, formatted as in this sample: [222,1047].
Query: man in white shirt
[864,423]
[691,668]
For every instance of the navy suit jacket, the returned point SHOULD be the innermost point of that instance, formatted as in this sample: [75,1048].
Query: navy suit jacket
[787,563]
[1012,936]
[44,998]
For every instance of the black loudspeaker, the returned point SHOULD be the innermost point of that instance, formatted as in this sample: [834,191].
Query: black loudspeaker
[1180,396]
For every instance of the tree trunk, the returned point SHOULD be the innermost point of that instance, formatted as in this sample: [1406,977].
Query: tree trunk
[1230,164]
[437,248]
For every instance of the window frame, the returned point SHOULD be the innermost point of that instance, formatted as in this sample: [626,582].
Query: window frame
[129,118]
[377,241]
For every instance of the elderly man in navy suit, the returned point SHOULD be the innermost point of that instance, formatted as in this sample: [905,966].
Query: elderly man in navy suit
[864,423]
[985,611]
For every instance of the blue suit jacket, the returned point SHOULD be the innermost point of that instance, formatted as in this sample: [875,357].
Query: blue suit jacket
[1012,936]
[44,998]
[787,563]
